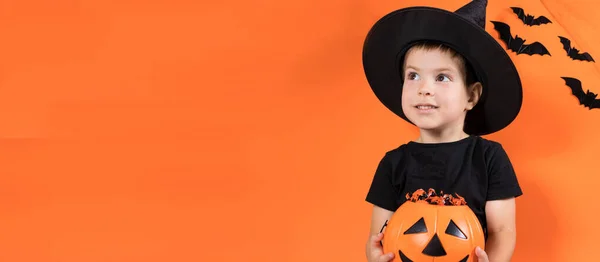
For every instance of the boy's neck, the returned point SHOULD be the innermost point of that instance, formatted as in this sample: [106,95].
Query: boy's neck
[446,136]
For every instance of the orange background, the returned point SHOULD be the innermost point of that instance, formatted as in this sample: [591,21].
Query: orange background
[245,131]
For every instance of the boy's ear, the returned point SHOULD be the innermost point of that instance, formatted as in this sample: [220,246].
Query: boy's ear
[474,95]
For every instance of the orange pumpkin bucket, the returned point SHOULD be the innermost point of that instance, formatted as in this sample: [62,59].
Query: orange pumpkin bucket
[431,227]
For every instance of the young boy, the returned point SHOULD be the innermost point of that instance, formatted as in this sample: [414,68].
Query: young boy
[443,73]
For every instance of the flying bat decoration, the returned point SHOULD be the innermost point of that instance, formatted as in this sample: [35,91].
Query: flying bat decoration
[587,98]
[529,19]
[516,43]
[573,53]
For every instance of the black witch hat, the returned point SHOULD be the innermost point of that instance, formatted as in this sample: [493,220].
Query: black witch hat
[462,30]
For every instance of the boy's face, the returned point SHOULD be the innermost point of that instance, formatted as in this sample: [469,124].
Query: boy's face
[434,95]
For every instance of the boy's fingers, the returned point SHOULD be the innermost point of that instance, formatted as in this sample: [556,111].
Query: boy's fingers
[387,257]
[376,238]
[481,255]
[377,252]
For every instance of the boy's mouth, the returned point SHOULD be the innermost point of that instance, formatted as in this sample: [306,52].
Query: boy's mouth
[425,106]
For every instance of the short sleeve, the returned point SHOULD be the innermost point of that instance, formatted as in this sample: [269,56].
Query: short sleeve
[382,192]
[502,180]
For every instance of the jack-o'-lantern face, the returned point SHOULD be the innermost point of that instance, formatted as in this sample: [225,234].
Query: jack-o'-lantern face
[427,230]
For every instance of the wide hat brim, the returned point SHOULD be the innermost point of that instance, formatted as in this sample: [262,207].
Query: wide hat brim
[391,36]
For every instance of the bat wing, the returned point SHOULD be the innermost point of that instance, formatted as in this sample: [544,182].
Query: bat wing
[583,57]
[519,12]
[536,48]
[566,43]
[541,20]
[587,57]
[576,88]
[595,104]
[504,32]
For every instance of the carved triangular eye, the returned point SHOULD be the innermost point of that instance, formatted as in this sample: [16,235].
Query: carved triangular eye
[453,230]
[418,227]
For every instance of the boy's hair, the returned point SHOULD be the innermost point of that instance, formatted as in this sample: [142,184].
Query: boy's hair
[464,67]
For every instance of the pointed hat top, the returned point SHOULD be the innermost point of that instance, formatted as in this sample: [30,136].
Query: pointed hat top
[474,12]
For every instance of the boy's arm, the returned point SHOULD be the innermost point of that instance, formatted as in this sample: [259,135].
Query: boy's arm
[374,250]
[501,226]
[378,218]
[382,194]
[503,188]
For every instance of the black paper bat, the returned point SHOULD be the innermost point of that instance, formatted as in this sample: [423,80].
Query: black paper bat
[573,53]
[587,98]
[517,44]
[529,19]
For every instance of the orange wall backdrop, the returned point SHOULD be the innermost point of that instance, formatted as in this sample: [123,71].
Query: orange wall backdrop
[245,130]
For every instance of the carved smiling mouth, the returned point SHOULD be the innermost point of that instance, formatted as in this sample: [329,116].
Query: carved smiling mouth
[404,258]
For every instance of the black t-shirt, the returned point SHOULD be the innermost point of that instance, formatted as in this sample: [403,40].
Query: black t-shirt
[475,168]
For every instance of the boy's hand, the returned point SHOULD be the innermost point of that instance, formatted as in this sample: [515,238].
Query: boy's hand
[481,255]
[375,253]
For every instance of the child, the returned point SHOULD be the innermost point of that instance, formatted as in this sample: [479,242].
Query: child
[443,73]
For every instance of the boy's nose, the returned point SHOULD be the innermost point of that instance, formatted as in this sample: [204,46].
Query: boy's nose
[425,90]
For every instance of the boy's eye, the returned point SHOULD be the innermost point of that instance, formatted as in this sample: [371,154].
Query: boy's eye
[412,76]
[442,78]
